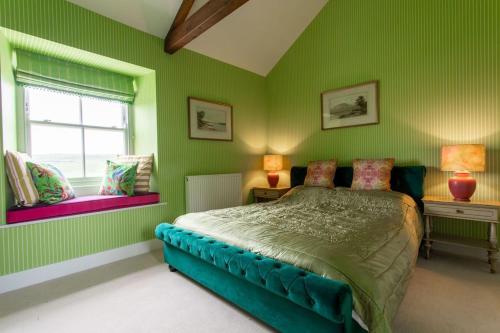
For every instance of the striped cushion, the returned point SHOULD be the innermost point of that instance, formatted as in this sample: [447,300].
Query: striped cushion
[20,179]
[144,170]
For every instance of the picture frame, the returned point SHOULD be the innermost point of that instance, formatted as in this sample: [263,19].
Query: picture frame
[208,120]
[356,105]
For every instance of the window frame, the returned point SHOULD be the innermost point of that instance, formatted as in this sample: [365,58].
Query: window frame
[88,184]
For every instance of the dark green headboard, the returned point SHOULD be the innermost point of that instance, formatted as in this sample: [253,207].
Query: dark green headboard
[408,179]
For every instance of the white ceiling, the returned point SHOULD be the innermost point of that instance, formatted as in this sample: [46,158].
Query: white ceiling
[254,37]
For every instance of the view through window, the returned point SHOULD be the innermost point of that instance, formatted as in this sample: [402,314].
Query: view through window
[76,134]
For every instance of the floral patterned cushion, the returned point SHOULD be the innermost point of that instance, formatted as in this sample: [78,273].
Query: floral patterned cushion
[144,170]
[320,173]
[50,183]
[119,179]
[372,174]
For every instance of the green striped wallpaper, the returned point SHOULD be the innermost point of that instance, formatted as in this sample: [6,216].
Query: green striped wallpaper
[7,117]
[184,74]
[438,66]
[438,63]
[32,245]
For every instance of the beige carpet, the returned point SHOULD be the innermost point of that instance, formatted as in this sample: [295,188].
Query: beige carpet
[446,294]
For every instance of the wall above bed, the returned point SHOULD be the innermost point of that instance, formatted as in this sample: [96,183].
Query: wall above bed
[438,64]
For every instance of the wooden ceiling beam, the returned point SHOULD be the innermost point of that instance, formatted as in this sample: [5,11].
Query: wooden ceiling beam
[185,30]
[182,14]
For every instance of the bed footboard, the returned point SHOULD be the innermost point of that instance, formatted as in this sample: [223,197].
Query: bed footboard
[282,295]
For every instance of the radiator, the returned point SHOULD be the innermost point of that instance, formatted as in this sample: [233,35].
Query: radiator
[213,192]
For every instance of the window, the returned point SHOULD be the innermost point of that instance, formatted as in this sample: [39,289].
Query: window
[77,134]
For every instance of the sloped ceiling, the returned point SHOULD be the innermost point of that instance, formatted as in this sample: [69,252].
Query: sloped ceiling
[254,37]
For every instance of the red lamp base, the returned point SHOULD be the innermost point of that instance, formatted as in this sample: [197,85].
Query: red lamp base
[273,178]
[462,186]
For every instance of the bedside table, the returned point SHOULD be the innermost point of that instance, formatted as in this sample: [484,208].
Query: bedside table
[263,194]
[479,211]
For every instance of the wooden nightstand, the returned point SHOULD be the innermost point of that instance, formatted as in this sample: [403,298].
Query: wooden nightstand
[480,211]
[263,194]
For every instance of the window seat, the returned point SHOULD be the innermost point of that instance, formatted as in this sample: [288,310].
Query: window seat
[80,205]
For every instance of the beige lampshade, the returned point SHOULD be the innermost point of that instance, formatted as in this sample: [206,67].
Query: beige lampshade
[466,157]
[273,162]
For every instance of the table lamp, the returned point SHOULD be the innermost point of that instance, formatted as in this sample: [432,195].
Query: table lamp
[462,160]
[273,163]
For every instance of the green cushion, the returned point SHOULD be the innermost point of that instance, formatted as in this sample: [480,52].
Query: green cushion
[50,183]
[119,179]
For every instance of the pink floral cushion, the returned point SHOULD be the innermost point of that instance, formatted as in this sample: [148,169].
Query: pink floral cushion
[320,173]
[372,174]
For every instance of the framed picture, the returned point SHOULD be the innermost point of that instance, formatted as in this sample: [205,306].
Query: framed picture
[210,120]
[350,106]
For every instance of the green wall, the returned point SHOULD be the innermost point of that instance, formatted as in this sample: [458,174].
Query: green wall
[8,116]
[145,133]
[438,67]
[184,74]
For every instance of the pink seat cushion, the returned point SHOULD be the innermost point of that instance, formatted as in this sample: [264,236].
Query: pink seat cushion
[80,205]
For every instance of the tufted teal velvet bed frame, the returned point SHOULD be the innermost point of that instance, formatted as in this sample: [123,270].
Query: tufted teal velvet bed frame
[283,296]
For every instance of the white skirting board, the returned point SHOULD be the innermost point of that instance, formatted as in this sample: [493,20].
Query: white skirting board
[37,275]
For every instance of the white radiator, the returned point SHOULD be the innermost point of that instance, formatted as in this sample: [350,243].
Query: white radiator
[213,192]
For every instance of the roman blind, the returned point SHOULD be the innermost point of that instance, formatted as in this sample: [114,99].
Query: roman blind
[43,71]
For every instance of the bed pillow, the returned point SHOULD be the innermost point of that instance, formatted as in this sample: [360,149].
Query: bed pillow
[144,170]
[119,179]
[372,174]
[50,183]
[20,179]
[320,173]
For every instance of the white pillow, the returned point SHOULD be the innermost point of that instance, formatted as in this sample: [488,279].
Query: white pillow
[20,179]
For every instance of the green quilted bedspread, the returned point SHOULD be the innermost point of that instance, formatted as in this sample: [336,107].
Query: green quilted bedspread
[369,239]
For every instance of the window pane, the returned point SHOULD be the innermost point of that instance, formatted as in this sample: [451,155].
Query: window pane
[60,146]
[53,106]
[102,145]
[98,112]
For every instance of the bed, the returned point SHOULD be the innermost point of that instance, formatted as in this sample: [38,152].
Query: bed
[316,260]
